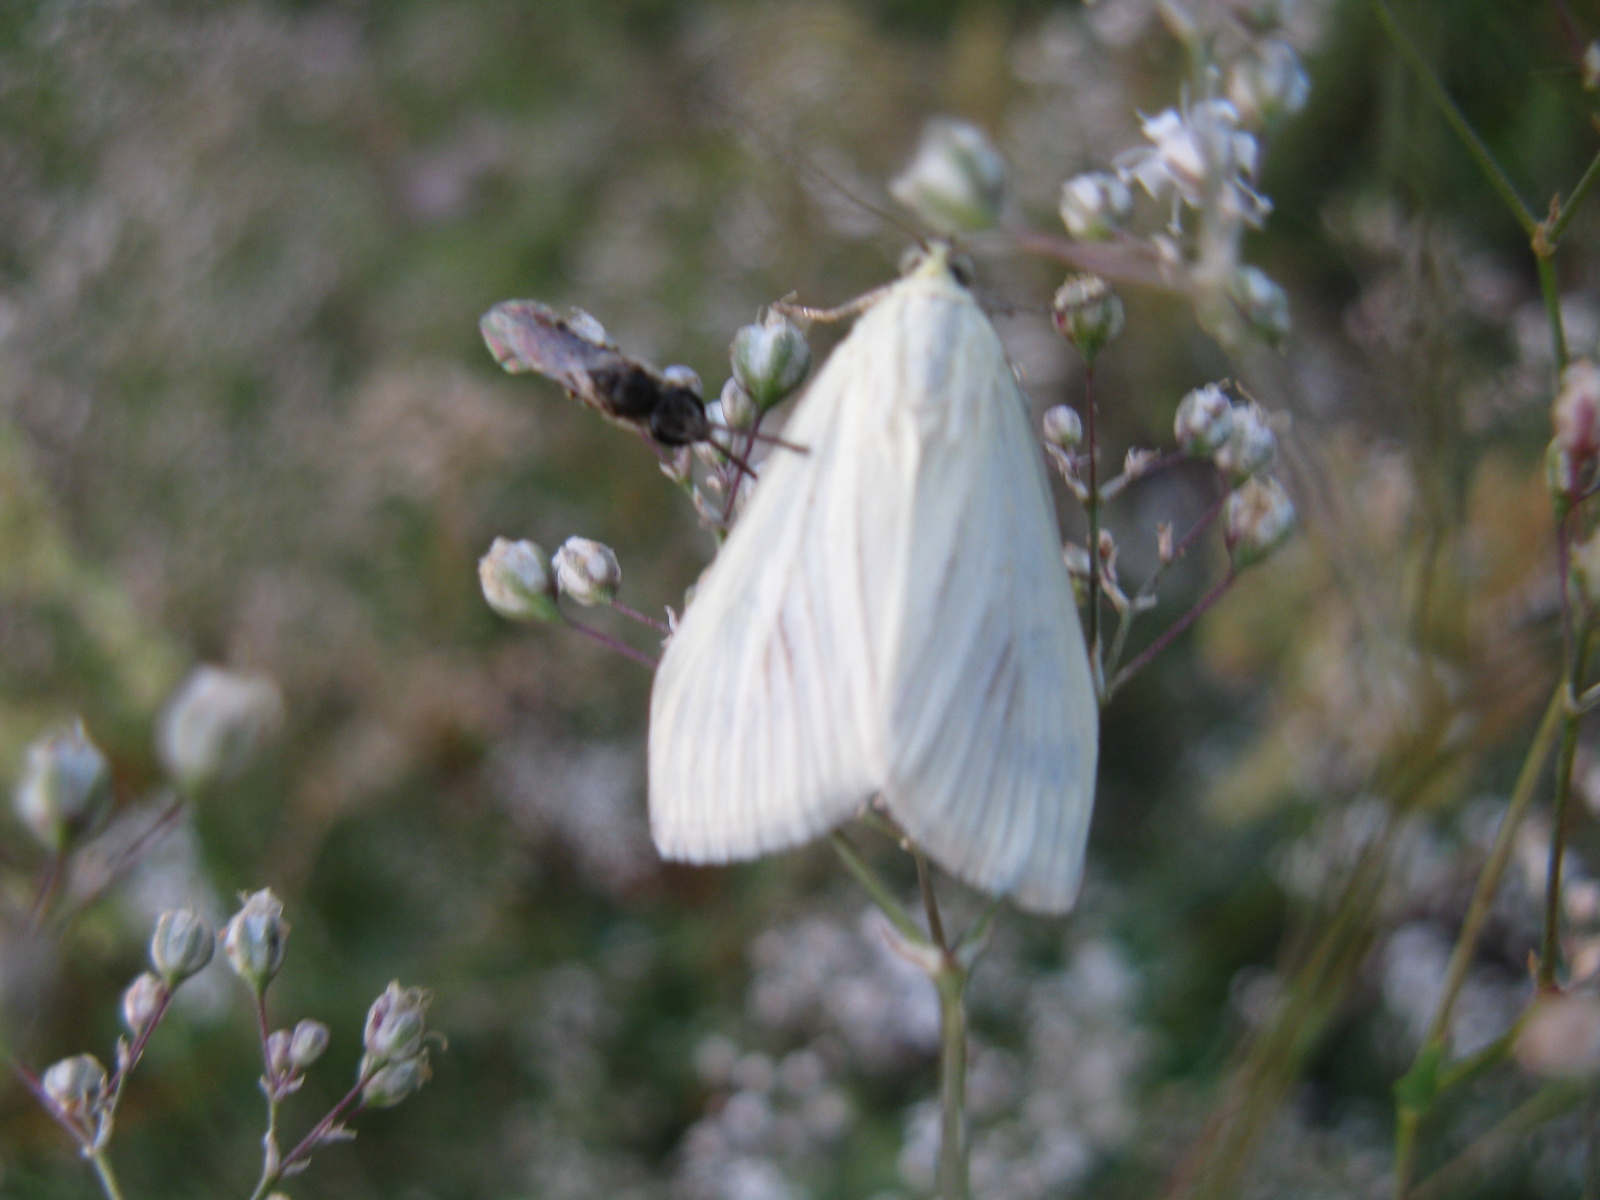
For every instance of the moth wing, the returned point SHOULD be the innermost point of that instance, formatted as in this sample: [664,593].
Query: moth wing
[765,717]
[993,718]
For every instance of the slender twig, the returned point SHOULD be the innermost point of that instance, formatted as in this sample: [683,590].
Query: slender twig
[1492,170]
[950,978]
[1550,289]
[1171,633]
[1119,640]
[104,1173]
[875,887]
[49,880]
[1569,207]
[611,643]
[1460,1174]
[641,618]
[1092,506]
[1550,941]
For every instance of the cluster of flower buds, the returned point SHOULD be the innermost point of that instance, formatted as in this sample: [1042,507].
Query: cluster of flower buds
[1087,313]
[957,181]
[214,724]
[1574,455]
[288,1053]
[65,788]
[517,581]
[1238,438]
[256,938]
[77,1091]
[395,1059]
[1257,519]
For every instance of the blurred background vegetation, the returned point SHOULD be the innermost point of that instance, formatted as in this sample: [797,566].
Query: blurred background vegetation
[246,418]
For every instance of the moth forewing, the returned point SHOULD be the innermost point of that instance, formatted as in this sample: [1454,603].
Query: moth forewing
[891,616]
[992,711]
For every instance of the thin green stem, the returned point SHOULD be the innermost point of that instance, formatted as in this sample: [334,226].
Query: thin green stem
[1550,942]
[950,978]
[271,1159]
[1405,1148]
[1462,1173]
[880,892]
[1551,291]
[1171,633]
[107,1177]
[1491,169]
[1557,227]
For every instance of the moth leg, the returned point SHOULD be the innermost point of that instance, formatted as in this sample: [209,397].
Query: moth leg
[844,312]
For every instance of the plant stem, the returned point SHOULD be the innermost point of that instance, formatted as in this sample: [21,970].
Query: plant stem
[878,890]
[611,643]
[1171,632]
[1092,506]
[107,1177]
[643,619]
[1552,307]
[1550,942]
[1459,1176]
[1492,170]
[951,981]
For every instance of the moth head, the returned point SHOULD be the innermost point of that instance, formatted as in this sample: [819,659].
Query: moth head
[938,256]
[679,417]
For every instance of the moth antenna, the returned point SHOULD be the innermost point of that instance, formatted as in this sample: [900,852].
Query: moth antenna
[826,315]
[770,439]
[771,144]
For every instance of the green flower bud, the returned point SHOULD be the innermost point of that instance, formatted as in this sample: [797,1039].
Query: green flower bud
[770,360]
[393,1083]
[737,407]
[65,787]
[396,1023]
[957,180]
[1268,81]
[587,571]
[214,724]
[1087,313]
[1204,421]
[277,1055]
[1256,520]
[517,582]
[256,939]
[181,946]
[1063,427]
[141,1002]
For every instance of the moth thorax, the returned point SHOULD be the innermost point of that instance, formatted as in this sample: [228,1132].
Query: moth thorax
[628,389]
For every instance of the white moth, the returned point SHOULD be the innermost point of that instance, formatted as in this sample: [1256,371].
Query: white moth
[891,617]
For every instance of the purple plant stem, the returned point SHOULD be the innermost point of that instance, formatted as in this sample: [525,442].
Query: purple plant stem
[1171,632]
[611,643]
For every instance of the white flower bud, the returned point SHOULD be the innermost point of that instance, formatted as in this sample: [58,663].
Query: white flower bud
[396,1023]
[141,1002]
[181,946]
[213,725]
[957,179]
[1251,444]
[306,1045]
[1256,520]
[1263,303]
[65,787]
[1087,313]
[256,939]
[1204,421]
[516,581]
[1063,427]
[677,464]
[1268,81]
[683,377]
[1093,204]
[77,1087]
[1576,413]
[1561,1037]
[277,1055]
[587,571]
[1591,67]
[770,359]
[393,1083]
[738,406]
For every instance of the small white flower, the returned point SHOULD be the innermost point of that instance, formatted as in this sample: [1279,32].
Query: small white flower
[1197,154]
[1267,82]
